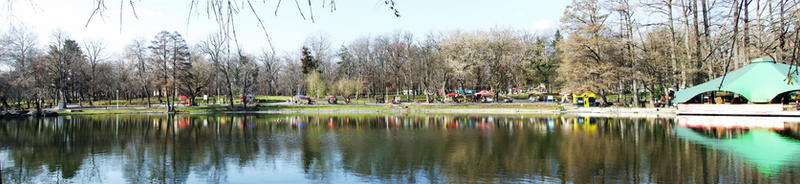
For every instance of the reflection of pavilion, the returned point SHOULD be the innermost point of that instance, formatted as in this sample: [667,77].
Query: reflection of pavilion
[766,149]
[729,122]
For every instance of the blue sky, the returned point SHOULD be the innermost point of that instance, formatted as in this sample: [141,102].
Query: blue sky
[351,19]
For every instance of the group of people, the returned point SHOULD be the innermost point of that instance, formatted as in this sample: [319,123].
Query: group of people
[480,99]
[297,100]
[398,100]
[395,100]
[335,100]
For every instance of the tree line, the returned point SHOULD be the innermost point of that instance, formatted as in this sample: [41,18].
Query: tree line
[161,69]
[623,46]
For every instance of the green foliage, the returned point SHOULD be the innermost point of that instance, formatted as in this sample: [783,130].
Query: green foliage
[64,58]
[544,61]
[348,87]
[316,87]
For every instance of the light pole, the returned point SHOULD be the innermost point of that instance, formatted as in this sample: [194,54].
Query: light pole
[117,98]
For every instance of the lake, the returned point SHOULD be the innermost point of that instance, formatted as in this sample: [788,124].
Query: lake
[268,148]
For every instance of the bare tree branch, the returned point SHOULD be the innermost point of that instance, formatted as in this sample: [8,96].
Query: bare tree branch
[261,24]
[191,7]
[101,7]
[133,8]
[223,13]
[299,10]
[311,11]
[277,6]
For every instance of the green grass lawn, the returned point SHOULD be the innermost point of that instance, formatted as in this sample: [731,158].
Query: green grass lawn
[485,106]
[115,111]
[627,97]
[279,107]
[199,100]
[318,107]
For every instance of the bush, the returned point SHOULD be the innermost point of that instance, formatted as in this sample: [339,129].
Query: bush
[316,87]
[348,87]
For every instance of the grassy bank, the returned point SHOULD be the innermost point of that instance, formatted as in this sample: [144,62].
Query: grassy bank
[115,111]
[368,107]
[211,109]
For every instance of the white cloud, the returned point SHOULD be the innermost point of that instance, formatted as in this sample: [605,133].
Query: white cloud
[543,26]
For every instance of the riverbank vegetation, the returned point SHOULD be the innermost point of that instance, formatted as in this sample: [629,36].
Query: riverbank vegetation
[301,108]
[619,48]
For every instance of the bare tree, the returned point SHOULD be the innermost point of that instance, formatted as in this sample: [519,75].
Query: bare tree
[269,74]
[168,51]
[137,51]
[18,48]
[320,47]
[588,49]
[94,55]
[194,76]
[217,49]
[245,74]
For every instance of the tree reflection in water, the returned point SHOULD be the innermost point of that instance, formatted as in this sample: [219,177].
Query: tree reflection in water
[371,148]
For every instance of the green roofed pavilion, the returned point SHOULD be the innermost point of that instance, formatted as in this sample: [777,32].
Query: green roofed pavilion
[760,81]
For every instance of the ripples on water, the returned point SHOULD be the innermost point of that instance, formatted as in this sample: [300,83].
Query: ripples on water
[396,149]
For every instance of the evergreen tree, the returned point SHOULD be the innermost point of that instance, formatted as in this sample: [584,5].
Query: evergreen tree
[308,61]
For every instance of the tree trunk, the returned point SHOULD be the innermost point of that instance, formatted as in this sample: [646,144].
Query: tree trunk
[38,105]
[687,29]
[166,92]
[147,94]
[244,92]
[62,93]
[738,8]
[5,103]
[706,36]
[621,94]
[746,30]
[672,42]
[174,82]
[80,99]
[230,92]
[635,93]
[91,96]
[652,94]
[602,94]
[698,77]
[781,33]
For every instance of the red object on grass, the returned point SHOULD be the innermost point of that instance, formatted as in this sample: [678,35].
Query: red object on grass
[485,92]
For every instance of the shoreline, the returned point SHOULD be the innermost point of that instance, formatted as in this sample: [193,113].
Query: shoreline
[457,109]
[639,113]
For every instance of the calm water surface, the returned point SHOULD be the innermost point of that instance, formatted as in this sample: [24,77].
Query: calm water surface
[396,149]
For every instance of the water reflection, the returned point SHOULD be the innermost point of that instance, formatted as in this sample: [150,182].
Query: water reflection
[770,143]
[399,149]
